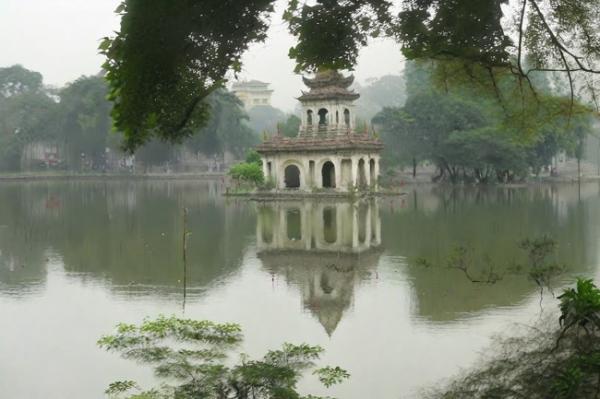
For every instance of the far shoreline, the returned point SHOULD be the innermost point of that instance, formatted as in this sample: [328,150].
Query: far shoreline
[25,177]
[208,176]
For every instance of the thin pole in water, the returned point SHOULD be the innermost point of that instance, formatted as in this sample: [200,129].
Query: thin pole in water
[184,255]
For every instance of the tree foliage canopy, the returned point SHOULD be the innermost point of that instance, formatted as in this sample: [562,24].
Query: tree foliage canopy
[226,129]
[75,119]
[475,139]
[169,56]
[17,80]
[330,33]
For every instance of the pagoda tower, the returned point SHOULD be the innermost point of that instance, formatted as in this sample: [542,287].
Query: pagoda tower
[328,154]
[328,108]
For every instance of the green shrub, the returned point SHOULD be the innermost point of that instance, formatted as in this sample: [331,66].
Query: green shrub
[247,172]
[253,157]
[267,185]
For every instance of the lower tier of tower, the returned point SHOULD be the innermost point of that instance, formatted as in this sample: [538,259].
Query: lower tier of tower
[308,171]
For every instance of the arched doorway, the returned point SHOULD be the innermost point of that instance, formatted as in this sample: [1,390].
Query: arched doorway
[292,177]
[323,117]
[328,175]
[362,176]
[347,117]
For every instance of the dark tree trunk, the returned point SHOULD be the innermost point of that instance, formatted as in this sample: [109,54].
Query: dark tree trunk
[414,167]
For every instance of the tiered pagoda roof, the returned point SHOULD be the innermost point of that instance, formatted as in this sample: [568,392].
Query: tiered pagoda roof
[329,85]
[352,141]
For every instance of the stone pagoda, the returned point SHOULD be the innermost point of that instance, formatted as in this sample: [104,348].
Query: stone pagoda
[328,153]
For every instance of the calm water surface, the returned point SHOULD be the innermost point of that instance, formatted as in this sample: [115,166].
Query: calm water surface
[76,258]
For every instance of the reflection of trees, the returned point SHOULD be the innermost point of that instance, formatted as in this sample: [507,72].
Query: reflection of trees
[317,247]
[129,233]
[22,255]
[430,223]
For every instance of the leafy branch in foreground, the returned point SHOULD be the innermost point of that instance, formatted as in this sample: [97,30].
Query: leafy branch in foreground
[195,353]
[558,360]
[169,56]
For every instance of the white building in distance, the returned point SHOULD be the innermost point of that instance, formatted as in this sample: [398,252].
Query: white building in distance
[253,93]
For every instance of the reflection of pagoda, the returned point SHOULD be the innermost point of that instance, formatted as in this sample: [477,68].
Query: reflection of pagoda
[328,153]
[323,248]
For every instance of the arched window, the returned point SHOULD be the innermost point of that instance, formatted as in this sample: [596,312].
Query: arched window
[347,117]
[292,177]
[323,117]
[337,117]
[328,175]
[309,117]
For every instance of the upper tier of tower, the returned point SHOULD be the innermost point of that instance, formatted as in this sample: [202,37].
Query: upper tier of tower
[328,107]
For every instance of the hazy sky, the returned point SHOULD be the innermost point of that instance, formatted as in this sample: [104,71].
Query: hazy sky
[59,38]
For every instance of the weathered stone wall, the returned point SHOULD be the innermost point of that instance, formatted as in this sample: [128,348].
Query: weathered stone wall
[351,169]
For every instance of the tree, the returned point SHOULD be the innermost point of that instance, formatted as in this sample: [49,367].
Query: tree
[27,113]
[194,355]
[168,57]
[156,153]
[264,118]
[85,122]
[226,129]
[17,80]
[470,138]
[291,126]
[331,33]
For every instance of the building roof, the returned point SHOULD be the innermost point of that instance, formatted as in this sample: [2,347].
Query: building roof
[329,85]
[328,78]
[252,84]
[351,141]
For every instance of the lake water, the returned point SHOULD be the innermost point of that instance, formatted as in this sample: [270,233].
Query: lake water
[78,257]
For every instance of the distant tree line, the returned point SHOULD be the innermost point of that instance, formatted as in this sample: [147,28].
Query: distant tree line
[70,128]
[475,138]
[75,121]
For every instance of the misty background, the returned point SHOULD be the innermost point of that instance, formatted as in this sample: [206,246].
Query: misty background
[60,40]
